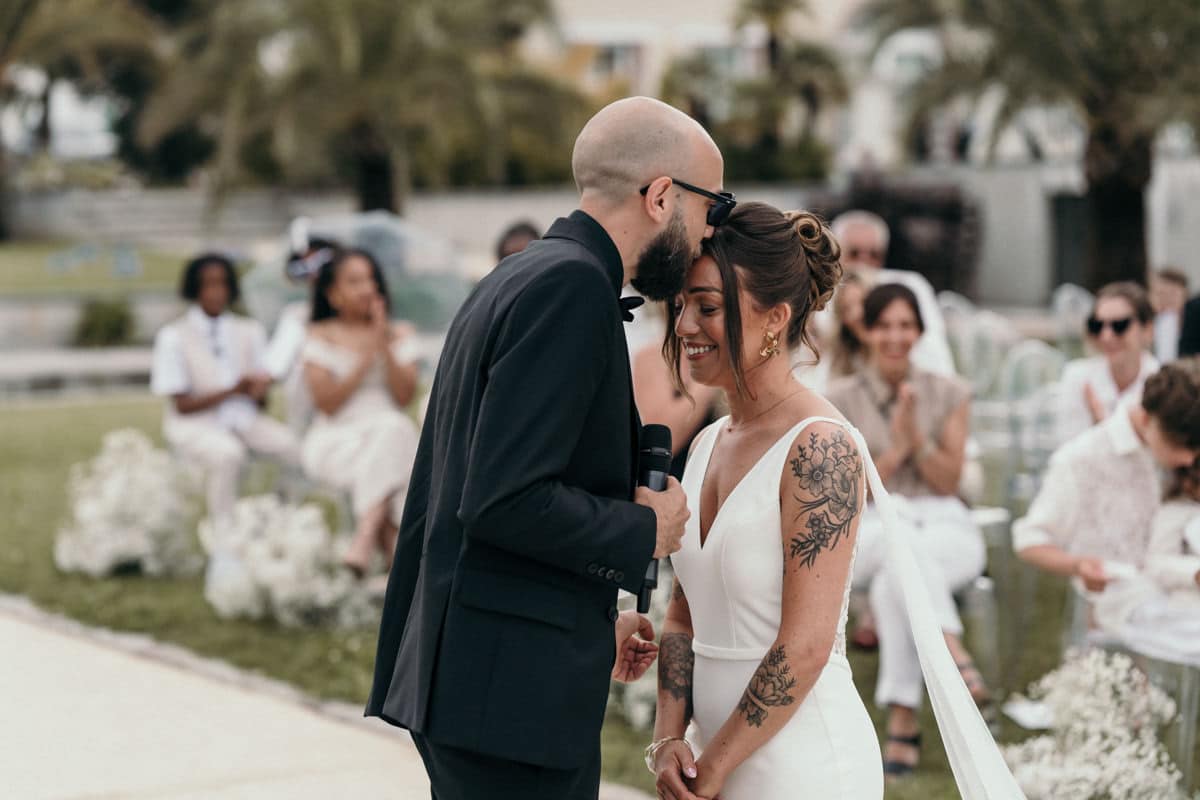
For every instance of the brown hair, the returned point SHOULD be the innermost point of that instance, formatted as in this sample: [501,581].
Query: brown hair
[1170,397]
[1172,275]
[883,296]
[846,347]
[779,257]
[1132,293]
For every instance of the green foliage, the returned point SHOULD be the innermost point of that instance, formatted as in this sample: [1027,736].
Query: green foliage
[104,322]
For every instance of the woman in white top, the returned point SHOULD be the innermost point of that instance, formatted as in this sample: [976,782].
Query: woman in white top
[1121,327]
[1091,519]
[360,381]
[209,364]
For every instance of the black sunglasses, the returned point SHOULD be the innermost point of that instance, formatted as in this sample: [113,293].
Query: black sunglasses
[718,213]
[1119,326]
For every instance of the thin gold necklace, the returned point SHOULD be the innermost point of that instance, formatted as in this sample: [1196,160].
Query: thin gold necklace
[745,422]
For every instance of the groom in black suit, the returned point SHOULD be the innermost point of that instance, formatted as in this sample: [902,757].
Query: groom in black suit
[522,520]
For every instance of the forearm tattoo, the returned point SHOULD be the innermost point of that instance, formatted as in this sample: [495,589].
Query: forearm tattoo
[829,473]
[676,662]
[770,687]
[677,590]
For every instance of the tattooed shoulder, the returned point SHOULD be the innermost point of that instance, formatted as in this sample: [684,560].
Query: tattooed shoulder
[828,472]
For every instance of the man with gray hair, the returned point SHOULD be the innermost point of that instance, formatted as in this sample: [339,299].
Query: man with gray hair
[522,521]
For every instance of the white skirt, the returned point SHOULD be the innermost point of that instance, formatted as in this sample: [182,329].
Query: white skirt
[371,457]
[828,749]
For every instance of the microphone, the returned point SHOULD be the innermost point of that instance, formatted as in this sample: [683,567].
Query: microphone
[654,464]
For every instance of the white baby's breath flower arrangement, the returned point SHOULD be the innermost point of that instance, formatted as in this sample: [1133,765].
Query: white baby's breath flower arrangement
[130,507]
[277,560]
[1104,742]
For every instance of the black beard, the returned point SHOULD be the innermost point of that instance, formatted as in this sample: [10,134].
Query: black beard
[663,265]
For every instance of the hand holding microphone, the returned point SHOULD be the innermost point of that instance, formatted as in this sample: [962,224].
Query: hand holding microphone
[662,493]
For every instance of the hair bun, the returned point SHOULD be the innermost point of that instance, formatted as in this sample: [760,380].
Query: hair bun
[823,254]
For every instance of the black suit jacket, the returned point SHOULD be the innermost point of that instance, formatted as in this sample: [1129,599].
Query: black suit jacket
[1189,331]
[497,632]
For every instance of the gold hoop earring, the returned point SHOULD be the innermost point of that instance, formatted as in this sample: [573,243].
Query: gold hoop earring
[770,345]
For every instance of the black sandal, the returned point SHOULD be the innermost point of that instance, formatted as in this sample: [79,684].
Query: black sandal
[900,769]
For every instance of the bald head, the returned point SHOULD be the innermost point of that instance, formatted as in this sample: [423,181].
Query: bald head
[632,141]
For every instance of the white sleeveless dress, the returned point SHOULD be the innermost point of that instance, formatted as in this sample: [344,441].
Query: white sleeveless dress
[734,586]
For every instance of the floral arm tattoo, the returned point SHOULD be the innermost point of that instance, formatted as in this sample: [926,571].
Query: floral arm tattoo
[675,664]
[770,687]
[829,472]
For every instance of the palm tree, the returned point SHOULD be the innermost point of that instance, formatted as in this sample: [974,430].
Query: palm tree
[1127,70]
[391,91]
[48,34]
[797,72]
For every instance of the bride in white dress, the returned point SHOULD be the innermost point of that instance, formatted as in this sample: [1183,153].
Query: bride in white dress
[756,700]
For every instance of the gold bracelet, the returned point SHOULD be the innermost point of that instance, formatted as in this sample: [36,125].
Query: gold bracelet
[653,748]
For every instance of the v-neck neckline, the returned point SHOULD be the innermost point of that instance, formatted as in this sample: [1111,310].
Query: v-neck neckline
[704,537]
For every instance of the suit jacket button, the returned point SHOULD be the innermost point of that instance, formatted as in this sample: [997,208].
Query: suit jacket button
[592,569]
[620,576]
[609,574]
[613,614]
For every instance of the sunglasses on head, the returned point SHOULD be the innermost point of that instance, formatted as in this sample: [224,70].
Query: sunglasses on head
[1119,326]
[723,202]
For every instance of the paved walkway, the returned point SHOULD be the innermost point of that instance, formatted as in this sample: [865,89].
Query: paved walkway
[91,714]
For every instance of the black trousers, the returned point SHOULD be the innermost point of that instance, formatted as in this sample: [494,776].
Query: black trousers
[456,774]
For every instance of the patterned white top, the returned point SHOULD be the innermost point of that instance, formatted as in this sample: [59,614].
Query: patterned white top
[1099,495]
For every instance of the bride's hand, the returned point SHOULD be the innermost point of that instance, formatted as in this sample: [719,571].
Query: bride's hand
[674,767]
[708,782]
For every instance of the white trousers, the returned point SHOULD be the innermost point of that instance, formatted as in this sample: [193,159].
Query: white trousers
[222,452]
[950,553]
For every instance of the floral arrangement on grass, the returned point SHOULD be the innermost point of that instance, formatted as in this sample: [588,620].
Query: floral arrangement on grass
[131,509]
[279,561]
[1104,742]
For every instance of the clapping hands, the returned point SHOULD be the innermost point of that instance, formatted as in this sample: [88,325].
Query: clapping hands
[906,436]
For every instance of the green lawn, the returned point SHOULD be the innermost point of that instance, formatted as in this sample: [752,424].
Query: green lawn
[37,447]
[71,268]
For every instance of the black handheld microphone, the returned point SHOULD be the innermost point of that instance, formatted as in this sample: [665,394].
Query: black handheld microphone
[654,465]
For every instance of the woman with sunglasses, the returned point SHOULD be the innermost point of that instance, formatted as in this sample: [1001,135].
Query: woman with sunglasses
[1120,328]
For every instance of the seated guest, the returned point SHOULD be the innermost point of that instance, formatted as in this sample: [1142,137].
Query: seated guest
[283,351]
[1168,294]
[1173,558]
[915,425]
[1091,519]
[848,352]
[515,238]
[1189,333]
[209,363]
[684,406]
[1091,389]
[360,381]
[864,238]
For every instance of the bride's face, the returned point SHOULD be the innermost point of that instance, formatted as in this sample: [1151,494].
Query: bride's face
[700,326]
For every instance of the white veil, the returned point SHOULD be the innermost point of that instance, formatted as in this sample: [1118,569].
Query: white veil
[979,769]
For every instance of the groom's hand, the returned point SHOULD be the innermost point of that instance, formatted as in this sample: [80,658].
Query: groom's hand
[636,649]
[671,511]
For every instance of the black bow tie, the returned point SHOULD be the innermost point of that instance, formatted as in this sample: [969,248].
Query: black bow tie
[628,304]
